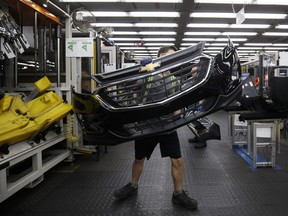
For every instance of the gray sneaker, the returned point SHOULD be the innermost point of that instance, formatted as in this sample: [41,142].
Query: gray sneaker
[184,200]
[126,191]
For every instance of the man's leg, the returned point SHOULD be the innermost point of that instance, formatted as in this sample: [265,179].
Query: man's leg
[132,187]
[180,197]
[177,173]
[137,169]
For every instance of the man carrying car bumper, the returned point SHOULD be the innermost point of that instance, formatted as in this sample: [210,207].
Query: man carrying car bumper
[169,147]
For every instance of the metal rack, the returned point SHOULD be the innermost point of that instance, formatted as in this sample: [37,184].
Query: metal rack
[41,157]
[261,140]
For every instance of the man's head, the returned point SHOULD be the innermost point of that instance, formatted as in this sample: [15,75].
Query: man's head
[164,50]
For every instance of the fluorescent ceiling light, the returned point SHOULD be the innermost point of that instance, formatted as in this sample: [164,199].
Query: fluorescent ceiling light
[233,15]
[107,13]
[136,1]
[221,33]
[280,44]
[157,33]
[112,24]
[214,48]
[153,48]
[159,25]
[211,51]
[158,39]
[212,15]
[233,39]
[134,48]
[154,14]
[207,25]
[257,44]
[276,48]
[159,44]
[143,39]
[275,34]
[140,51]
[142,54]
[261,26]
[125,44]
[282,26]
[198,39]
[245,51]
[222,44]
[250,48]
[258,2]
[239,33]
[125,39]
[164,25]
[132,14]
[202,33]
[224,25]
[246,54]
[264,16]
[125,33]
[188,44]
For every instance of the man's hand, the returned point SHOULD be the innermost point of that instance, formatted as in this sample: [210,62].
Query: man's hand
[147,65]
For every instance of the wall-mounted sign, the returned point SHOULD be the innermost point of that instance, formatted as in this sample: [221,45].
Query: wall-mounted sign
[79,47]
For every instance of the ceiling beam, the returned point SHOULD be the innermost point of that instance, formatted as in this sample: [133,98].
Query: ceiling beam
[184,19]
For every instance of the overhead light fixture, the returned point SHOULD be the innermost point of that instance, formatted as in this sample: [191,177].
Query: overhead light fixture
[233,15]
[249,48]
[203,33]
[144,39]
[154,14]
[142,54]
[213,48]
[207,25]
[280,44]
[258,2]
[112,24]
[107,14]
[233,39]
[222,44]
[246,51]
[188,44]
[212,15]
[133,48]
[211,51]
[239,33]
[157,33]
[133,14]
[125,33]
[198,39]
[282,26]
[252,26]
[45,3]
[141,51]
[257,44]
[159,25]
[125,44]
[276,48]
[125,39]
[158,39]
[159,44]
[275,34]
[224,25]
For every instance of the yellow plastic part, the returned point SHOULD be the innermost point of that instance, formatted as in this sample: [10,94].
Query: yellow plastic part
[42,84]
[5,103]
[23,120]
